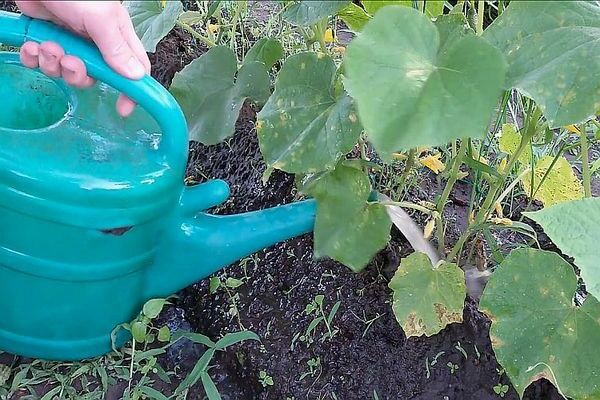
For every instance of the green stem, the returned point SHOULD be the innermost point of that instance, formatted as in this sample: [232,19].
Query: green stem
[492,195]
[209,43]
[459,244]
[585,162]
[480,14]
[448,188]
[319,34]
[439,233]
[410,162]
[453,176]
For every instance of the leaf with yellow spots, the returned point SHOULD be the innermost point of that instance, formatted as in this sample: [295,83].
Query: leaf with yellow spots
[348,228]
[433,162]
[304,127]
[153,20]
[211,91]
[426,299]
[560,185]
[509,143]
[537,331]
[446,89]
[574,228]
[544,43]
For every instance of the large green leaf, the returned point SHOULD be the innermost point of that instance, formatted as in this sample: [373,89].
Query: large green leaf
[348,228]
[575,228]
[266,50]
[304,127]
[537,331]
[426,299]
[211,95]
[553,54]
[309,12]
[411,92]
[152,21]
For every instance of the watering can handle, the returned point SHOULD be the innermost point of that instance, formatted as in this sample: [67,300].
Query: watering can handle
[16,29]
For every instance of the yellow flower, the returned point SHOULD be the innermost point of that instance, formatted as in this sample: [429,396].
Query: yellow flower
[498,208]
[213,28]
[328,36]
[433,163]
[502,221]
[573,129]
[471,217]
[163,2]
[502,165]
[428,231]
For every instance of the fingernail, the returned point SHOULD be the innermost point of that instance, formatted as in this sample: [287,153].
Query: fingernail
[135,67]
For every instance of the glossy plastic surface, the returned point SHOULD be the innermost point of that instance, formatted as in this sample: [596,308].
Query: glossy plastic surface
[94,218]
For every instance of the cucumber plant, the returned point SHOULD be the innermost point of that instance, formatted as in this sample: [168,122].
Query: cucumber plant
[419,75]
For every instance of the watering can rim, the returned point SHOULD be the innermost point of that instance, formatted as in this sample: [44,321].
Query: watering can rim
[133,204]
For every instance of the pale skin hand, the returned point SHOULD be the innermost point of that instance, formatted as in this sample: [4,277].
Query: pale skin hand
[106,23]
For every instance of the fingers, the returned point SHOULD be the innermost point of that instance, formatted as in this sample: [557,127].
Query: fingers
[74,72]
[133,40]
[51,59]
[29,54]
[116,51]
[125,106]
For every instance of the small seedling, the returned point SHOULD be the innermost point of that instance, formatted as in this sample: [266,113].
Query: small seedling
[264,379]
[314,365]
[462,351]
[453,367]
[316,307]
[500,389]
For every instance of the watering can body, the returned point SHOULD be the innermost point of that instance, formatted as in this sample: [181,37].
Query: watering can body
[94,217]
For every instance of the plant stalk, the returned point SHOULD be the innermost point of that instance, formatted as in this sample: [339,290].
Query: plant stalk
[585,162]
[410,162]
[209,43]
[480,16]
[446,193]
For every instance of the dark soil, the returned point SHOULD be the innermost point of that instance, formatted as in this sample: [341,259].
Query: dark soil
[283,279]
[360,359]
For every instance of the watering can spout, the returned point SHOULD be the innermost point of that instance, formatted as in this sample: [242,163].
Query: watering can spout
[198,244]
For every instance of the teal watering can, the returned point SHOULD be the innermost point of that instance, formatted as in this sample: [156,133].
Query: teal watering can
[94,216]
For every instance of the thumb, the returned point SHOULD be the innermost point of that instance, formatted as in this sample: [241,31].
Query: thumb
[107,34]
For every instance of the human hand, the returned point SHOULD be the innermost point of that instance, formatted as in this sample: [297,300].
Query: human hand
[106,23]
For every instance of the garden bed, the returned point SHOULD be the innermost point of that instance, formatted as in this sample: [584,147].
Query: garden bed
[282,280]
[362,353]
